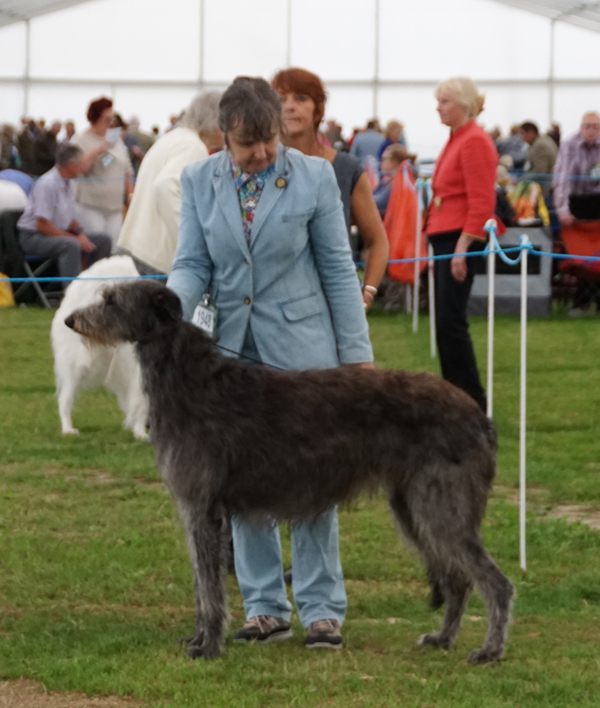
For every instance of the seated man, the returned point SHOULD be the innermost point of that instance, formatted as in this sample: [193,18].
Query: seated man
[48,227]
[541,156]
[577,174]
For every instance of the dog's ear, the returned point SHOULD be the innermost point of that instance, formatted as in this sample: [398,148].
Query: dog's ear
[167,307]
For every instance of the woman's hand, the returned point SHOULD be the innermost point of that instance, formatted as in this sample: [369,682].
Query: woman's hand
[368,293]
[458,264]
[87,161]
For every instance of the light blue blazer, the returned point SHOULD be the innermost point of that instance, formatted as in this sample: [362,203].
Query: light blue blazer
[295,284]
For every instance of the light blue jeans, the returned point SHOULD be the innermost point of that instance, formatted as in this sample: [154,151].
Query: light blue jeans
[317,578]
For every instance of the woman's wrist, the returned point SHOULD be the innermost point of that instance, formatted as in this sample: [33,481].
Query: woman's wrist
[463,243]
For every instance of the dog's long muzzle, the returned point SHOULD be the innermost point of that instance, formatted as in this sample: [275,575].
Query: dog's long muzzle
[80,324]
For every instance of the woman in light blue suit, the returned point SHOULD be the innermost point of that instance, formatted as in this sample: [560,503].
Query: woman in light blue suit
[262,229]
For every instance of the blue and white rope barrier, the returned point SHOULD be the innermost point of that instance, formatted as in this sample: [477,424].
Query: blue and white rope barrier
[588,260]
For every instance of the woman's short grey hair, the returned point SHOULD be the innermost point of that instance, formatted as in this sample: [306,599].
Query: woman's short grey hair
[67,153]
[251,108]
[202,115]
[465,92]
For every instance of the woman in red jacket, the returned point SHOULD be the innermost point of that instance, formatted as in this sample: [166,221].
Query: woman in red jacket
[464,198]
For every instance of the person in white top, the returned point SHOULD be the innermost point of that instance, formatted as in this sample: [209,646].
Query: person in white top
[149,233]
[108,174]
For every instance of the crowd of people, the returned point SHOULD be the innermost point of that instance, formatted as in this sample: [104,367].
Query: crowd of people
[127,185]
[33,149]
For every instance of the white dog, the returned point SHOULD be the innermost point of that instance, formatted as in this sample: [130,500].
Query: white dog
[80,364]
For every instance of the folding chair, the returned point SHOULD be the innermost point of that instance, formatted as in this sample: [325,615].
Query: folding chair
[18,265]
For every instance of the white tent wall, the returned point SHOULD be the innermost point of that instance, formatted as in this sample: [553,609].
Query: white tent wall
[244,38]
[377,57]
[12,52]
[478,38]
[118,39]
[576,60]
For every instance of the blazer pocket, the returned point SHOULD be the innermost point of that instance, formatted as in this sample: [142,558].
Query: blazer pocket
[300,217]
[299,308]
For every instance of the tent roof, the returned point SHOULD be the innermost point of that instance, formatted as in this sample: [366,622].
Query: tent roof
[584,13]
[19,10]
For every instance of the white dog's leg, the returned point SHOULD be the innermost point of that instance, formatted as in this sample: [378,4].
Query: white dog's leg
[125,381]
[66,398]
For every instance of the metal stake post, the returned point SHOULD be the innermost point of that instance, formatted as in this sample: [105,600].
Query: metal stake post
[417,274]
[431,283]
[491,312]
[523,419]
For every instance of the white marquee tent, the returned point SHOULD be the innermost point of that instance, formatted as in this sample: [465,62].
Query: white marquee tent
[534,59]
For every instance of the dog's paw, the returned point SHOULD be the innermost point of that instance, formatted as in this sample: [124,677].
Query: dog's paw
[203,652]
[484,656]
[70,431]
[140,434]
[434,640]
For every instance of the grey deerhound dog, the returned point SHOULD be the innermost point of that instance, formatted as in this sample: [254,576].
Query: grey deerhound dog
[265,444]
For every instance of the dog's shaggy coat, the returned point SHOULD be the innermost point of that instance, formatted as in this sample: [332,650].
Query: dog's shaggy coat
[265,444]
[81,364]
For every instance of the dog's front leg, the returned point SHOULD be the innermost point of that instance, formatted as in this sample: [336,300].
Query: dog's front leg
[208,542]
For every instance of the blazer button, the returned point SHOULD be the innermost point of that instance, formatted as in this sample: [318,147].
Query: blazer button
[246,261]
[247,300]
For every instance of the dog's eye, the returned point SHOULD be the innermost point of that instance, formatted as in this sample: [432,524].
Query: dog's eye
[109,299]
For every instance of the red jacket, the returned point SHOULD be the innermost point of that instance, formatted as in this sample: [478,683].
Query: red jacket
[464,195]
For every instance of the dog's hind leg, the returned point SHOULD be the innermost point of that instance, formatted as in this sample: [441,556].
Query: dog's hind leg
[498,592]
[448,581]
[437,594]
[207,538]
[405,525]
[455,589]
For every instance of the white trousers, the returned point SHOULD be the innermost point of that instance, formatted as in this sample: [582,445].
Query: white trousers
[99,221]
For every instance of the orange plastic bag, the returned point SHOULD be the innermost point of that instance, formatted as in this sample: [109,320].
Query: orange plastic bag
[401,224]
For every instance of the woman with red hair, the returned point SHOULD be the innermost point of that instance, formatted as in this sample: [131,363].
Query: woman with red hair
[303,99]
[108,173]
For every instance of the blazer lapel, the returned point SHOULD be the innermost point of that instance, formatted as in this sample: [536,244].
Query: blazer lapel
[229,200]
[270,195]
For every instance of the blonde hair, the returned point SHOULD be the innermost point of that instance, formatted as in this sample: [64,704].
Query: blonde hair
[393,125]
[465,93]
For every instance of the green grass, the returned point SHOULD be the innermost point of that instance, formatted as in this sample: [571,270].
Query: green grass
[95,586]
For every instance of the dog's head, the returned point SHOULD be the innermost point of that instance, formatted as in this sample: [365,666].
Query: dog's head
[136,311]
